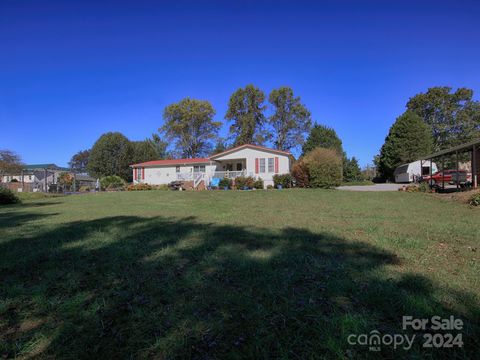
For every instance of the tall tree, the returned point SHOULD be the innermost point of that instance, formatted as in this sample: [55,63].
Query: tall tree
[220,146]
[351,169]
[111,154]
[79,161]
[159,146]
[189,124]
[246,112]
[290,120]
[324,137]
[143,151]
[454,117]
[409,138]
[10,162]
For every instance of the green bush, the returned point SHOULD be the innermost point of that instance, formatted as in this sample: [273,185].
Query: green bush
[162,187]
[286,180]
[324,168]
[242,182]
[225,183]
[84,188]
[7,196]
[475,200]
[112,182]
[258,184]
[269,187]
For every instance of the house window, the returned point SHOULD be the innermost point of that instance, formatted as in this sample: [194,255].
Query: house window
[177,169]
[239,166]
[200,168]
[271,167]
[139,174]
[262,165]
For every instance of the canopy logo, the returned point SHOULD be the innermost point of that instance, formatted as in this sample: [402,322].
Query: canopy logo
[375,340]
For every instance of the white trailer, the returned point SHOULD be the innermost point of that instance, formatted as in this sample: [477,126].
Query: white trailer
[411,172]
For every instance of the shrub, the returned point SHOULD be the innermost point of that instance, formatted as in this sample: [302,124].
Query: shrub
[258,184]
[225,183]
[138,187]
[14,180]
[242,182]
[7,196]
[112,182]
[84,188]
[269,187]
[144,187]
[475,200]
[300,174]
[324,168]
[424,187]
[286,180]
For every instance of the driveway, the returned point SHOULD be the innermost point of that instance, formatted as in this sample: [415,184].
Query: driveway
[375,187]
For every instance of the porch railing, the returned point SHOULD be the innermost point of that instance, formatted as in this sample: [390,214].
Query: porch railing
[229,174]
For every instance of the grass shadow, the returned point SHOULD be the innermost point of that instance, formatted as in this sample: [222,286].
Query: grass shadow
[128,287]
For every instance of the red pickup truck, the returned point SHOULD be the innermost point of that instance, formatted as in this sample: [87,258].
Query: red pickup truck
[448,177]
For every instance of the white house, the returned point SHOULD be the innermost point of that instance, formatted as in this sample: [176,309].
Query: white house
[244,160]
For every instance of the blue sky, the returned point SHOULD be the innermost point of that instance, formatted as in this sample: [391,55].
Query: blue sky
[72,70]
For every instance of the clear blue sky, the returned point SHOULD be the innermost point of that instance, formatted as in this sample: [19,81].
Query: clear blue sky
[72,70]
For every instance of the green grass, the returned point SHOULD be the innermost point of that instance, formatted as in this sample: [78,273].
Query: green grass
[260,274]
[358,183]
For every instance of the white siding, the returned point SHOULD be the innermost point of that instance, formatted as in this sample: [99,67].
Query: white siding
[250,154]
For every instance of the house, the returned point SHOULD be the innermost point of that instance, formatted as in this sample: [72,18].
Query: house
[37,177]
[245,160]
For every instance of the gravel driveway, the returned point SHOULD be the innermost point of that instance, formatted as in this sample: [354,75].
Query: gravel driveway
[375,187]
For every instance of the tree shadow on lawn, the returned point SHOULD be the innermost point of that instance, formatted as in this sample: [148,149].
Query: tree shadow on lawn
[123,287]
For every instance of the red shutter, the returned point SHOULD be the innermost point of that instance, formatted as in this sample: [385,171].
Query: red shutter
[256,165]
[276,165]
[143,173]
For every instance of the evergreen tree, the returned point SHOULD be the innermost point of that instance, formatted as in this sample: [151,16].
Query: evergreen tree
[409,138]
[324,137]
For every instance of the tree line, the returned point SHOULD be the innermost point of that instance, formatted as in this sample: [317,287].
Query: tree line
[189,130]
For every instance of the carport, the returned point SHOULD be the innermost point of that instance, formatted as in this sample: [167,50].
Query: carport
[472,147]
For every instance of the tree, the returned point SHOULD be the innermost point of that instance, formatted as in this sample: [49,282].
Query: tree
[454,118]
[324,137]
[290,120]
[220,146]
[351,169]
[245,111]
[409,138]
[10,162]
[66,180]
[190,125]
[79,161]
[159,146]
[111,154]
[143,151]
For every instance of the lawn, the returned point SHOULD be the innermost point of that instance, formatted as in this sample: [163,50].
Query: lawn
[262,274]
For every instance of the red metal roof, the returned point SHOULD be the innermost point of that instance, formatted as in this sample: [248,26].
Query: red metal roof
[172,162]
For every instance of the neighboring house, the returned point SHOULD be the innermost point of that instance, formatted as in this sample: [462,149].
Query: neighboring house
[36,177]
[244,160]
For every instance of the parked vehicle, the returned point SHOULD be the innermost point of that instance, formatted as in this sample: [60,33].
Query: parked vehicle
[413,171]
[451,177]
